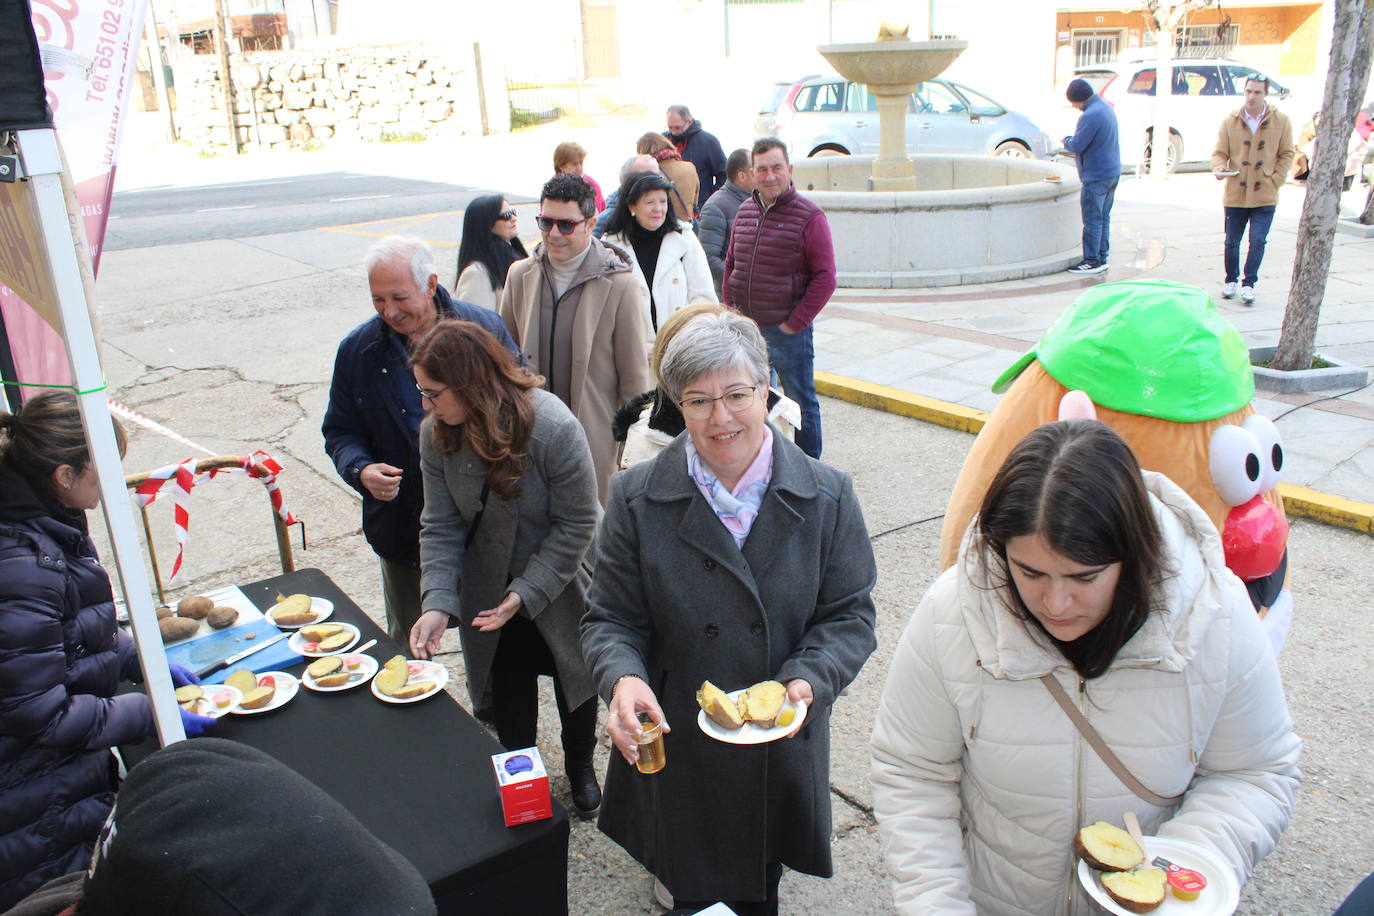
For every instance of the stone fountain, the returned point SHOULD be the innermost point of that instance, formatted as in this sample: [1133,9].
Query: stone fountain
[892,68]
[975,219]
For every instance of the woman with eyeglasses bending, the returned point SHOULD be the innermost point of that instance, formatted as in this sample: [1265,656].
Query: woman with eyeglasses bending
[730,557]
[510,512]
[669,262]
[491,244]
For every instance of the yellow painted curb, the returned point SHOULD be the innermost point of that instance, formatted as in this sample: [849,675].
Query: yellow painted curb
[904,403]
[1301,502]
[1323,507]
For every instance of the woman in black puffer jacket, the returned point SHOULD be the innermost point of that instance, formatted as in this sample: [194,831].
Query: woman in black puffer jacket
[61,655]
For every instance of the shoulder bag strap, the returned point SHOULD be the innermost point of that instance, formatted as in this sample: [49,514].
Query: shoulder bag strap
[477,519]
[1089,733]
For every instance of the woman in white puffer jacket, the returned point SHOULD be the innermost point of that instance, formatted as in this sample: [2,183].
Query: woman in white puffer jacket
[1112,579]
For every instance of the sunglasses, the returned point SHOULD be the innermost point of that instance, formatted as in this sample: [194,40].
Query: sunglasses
[565,226]
[506,214]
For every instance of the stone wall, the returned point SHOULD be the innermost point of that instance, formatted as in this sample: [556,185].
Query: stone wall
[343,93]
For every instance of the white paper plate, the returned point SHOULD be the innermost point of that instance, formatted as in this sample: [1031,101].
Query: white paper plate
[1220,897]
[213,709]
[323,607]
[299,645]
[749,733]
[427,671]
[359,677]
[287,685]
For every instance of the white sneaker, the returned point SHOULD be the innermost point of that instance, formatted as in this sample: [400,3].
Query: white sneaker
[661,895]
[1228,290]
[1247,295]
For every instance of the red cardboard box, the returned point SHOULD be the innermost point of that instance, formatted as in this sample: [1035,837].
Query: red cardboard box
[524,786]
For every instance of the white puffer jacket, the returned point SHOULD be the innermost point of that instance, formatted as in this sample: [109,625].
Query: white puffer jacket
[980,780]
[682,275]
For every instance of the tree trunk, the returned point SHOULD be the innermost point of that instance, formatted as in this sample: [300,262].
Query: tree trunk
[1367,216]
[1350,57]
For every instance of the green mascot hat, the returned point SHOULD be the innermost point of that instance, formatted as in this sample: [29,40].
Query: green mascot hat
[1150,347]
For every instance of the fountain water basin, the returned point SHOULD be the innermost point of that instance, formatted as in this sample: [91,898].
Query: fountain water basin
[974,219]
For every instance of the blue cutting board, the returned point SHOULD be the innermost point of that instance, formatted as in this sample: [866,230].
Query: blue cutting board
[205,651]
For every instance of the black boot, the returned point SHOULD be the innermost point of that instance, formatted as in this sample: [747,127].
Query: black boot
[586,794]
[579,743]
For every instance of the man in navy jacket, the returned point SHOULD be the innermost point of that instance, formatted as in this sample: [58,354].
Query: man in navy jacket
[372,425]
[1098,156]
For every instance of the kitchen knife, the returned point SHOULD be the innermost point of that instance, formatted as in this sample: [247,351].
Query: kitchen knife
[240,656]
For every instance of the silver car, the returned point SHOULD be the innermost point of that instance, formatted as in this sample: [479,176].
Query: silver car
[830,116]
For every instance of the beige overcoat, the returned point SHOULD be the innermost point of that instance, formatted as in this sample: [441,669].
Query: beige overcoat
[1263,158]
[610,360]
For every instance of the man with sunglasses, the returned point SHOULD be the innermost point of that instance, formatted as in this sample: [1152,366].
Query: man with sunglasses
[1254,154]
[576,311]
[372,424]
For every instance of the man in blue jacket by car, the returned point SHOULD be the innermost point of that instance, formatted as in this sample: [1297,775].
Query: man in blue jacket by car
[1098,156]
[372,425]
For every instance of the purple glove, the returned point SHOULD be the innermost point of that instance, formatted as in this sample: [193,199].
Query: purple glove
[182,676]
[193,724]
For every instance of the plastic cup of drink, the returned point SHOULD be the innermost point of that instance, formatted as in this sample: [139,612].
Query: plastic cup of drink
[650,739]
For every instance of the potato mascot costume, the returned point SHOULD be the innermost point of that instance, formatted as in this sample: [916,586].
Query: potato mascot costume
[1173,378]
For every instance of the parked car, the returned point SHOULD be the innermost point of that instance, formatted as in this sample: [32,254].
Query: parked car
[830,116]
[1205,90]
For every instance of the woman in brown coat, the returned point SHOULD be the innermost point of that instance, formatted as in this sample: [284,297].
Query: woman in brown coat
[681,173]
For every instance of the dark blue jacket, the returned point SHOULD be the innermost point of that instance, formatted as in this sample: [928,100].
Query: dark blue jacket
[374,415]
[703,151]
[61,659]
[1094,142]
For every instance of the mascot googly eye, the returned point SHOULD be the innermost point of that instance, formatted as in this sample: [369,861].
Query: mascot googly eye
[1236,466]
[1271,450]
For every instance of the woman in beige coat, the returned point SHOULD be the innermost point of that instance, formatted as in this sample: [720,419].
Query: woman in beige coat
[682,174]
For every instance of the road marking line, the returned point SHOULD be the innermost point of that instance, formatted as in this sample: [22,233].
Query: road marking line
[219,209]
[394,224]
[338,200]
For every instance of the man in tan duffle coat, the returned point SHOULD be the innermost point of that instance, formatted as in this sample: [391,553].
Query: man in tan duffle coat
[1253,156]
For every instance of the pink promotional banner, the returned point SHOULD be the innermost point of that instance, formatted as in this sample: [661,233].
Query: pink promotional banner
[89,49]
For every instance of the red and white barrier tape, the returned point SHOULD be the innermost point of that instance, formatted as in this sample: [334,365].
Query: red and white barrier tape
[184,477]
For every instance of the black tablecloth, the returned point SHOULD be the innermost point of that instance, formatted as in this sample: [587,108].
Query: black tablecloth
[418,776]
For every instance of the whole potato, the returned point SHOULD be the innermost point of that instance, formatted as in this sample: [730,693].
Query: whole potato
[165,610]
[222,616]
[174,628]
[196,607]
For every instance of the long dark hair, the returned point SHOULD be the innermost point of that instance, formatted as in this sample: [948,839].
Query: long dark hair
[1077,485]
[635,187]
[495,393]
[480,244]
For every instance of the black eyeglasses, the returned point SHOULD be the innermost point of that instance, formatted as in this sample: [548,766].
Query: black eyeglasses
[736,400]
[506,214]
[430,394]
[565,226]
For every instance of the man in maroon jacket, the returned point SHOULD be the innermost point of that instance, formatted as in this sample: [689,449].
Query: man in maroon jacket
[780,271]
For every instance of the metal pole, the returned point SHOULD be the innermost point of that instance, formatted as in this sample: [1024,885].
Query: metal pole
[222,27]
[42,161]
[164,97]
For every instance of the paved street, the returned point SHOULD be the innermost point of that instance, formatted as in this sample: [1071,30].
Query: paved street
[229,339]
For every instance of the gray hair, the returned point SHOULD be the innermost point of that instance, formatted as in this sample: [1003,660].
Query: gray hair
[629,168]
[710,344]
[413,251]
[681,111]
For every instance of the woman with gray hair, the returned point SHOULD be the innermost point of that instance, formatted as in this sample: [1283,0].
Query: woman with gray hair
[730,557]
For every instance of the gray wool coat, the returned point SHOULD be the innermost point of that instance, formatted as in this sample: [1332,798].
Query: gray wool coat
[538,546]
[675,602]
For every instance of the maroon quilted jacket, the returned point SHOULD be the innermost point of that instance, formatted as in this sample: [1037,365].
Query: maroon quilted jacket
[781,263]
